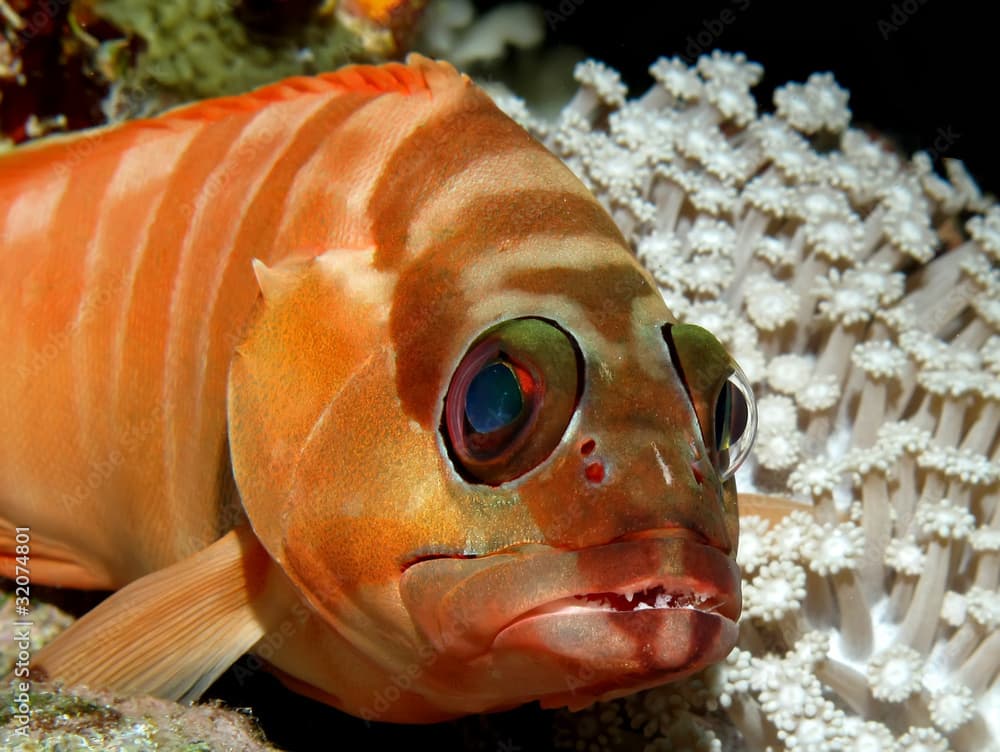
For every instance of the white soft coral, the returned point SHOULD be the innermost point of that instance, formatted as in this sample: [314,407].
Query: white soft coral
[875,359]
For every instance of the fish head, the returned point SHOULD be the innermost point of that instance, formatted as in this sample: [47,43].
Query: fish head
[532,500]
[591,442]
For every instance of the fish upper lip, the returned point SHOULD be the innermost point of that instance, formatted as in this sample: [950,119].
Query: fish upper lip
[521,548]
[666,570]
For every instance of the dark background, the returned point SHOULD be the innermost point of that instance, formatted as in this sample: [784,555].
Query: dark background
[915,69]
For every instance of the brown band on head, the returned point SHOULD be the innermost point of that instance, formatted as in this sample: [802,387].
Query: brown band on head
[436,151]
[603,292]
[430,303]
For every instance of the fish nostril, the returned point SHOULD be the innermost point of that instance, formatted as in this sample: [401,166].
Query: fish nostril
[587,447]
[696,472]
[594,472]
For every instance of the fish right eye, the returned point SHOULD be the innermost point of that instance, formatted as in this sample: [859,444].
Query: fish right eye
[719,392]
[735,423]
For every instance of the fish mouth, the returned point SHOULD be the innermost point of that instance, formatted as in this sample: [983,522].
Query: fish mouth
[660,604]
[658,596]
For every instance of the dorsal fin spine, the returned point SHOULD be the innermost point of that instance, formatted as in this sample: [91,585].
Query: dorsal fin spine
[418,75]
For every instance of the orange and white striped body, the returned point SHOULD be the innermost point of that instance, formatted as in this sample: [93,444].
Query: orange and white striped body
[289,304]
[126,284]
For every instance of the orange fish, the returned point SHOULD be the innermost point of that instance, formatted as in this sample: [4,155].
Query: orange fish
[352,373]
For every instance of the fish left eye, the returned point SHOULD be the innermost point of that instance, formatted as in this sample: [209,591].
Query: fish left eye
[494,399]
[510,400]
[735,423]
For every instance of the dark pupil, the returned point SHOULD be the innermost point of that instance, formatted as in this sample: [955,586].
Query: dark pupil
[494,398]
[730,417]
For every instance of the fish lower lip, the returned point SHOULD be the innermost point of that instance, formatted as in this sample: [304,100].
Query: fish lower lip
[465,604]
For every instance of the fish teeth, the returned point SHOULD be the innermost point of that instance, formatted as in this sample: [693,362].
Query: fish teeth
[629,595]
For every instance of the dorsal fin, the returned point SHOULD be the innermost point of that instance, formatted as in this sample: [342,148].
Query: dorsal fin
[418,75]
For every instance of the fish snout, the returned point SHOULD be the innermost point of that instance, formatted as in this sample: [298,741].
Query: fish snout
[467,607]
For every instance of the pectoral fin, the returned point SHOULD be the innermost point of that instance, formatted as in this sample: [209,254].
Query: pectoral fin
[173,632]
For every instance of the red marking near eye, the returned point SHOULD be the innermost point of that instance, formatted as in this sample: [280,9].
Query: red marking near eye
[594,472]
[526,381]
[587,447]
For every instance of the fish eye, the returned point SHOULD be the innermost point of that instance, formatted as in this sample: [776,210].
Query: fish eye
[495,398]
[498,401]
[510,399]
[719,392]
[735,423]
